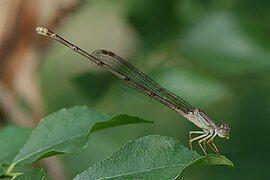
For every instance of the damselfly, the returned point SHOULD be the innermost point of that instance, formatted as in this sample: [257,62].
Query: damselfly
[126,75]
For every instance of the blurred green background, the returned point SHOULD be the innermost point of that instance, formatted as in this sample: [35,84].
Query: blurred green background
[213,53]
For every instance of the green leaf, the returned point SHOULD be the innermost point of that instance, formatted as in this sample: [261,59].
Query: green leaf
[36,174]
[150,157]
[66,131]
[212,159]
[11,141]
[2,169]
[118,120]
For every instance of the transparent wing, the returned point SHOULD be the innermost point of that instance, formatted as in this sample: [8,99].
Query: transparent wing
[120,65]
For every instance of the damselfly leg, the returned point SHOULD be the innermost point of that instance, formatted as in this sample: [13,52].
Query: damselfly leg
[191,140]
[203,140]
[212,145]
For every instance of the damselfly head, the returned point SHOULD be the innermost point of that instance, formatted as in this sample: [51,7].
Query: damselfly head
[224,131]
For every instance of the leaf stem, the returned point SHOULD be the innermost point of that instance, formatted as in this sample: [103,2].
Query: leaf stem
[10,168]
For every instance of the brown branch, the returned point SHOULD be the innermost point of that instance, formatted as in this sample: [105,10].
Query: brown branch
[9,105]
[20,56]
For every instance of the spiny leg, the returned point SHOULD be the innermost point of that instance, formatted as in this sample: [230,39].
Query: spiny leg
[203,140]
[195,139]
[204,145]
[209,138]
[212,145]
[195,132]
